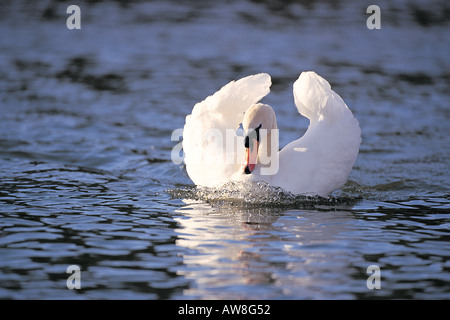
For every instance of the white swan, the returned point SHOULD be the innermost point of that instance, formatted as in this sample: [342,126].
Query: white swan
[316,164]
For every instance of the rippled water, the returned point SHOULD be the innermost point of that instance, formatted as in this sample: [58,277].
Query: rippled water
[85,142]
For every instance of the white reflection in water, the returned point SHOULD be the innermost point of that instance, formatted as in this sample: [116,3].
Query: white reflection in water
[290,254]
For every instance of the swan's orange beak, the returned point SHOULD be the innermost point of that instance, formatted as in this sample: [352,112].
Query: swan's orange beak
[251,155]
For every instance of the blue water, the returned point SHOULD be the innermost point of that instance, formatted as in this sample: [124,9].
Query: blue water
[86,176]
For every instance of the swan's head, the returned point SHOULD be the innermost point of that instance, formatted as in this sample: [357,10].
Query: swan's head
[258,121]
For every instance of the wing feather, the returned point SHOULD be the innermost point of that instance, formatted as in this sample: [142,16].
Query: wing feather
[322,159]
[208,160]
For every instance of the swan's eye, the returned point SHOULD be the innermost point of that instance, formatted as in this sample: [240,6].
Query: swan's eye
[254,135]
[257,132]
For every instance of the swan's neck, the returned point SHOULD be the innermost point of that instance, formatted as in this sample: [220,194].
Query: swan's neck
[268,151]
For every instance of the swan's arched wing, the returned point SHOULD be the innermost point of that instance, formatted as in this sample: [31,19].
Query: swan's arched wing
[209,132]
[321,160]
[316,100]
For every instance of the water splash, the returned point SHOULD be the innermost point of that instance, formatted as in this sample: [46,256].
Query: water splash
[256,194]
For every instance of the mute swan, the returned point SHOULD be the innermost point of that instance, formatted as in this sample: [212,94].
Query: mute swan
[316,164]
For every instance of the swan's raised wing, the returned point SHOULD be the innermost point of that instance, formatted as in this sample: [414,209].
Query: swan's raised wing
[209,141]
[321,160]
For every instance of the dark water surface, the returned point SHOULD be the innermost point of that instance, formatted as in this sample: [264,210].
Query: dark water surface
[86,176]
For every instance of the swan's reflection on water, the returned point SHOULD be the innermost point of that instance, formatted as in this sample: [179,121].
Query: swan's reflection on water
[261,253]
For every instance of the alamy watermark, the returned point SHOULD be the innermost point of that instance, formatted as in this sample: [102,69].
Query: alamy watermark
[74,20]
[74,280]
[374,21]
[374,280]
